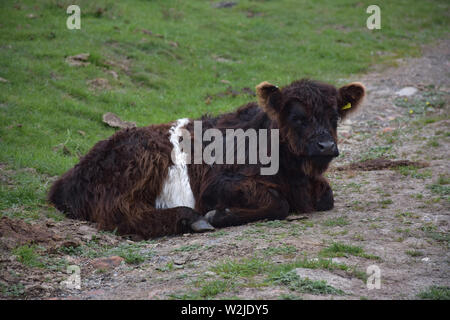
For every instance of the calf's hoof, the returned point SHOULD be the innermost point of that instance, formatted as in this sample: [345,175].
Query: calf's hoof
[218,218]
[201,226]
[326,201]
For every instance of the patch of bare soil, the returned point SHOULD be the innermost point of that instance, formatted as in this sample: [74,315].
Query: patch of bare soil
[381,164]
[391,186]
[17,232]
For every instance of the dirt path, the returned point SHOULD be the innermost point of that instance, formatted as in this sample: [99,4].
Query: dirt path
[394,218]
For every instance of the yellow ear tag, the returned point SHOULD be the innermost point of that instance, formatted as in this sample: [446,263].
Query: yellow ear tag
[347,106]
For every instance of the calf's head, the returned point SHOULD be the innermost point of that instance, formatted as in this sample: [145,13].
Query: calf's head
[307,113]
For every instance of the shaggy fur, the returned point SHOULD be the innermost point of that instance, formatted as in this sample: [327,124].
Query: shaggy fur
[129,183]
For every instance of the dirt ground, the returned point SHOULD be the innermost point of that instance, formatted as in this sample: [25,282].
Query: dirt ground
[396,213]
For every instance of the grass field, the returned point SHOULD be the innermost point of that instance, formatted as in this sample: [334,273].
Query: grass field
[152,61]
[163,60]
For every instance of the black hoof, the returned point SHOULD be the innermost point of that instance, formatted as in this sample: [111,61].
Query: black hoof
[210,215]
[326,201]
[201,226]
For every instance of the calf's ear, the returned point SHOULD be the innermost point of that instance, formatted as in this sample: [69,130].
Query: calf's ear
[350,97]
[269,98]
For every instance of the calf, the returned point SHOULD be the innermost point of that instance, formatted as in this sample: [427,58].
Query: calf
[139,181]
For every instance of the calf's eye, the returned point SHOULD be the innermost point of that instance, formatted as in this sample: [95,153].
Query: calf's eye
[334,120]
[298,119]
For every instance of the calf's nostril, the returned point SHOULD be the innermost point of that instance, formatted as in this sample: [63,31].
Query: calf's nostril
[326,146]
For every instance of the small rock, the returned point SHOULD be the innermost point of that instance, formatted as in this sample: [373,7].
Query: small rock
[3,80]
[113,74]
[70,243]
[223,60]
[345,134]
[78,60]
[107,263]
[85,229]
[99,84]
[337,260]
[406,91]
[224,4]
[390,118]
[415,243]
[150,33]
[425,259]
[56,237]
[95,293]
[250,92]
[180,261]
[114,121]
[331,279]
[87,237]
[50,224]
[62,147]
[296,217]
[347,122]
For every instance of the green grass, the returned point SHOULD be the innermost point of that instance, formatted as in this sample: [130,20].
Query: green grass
[259,272]
[285,250]
[205,289]
[431,231]
[435,293]
[242,268]
[217,234]
[412,171]
[414,253]
[385,203]
[34,256]
[443,179]
[248,268]
[295,283]
[189,247]
[337,249]
[132,253]
[420,105]
[50,115]
[377,152]
[13,290]
[29,256]
[333,222]
[440,188]
[211,289]
[47,103]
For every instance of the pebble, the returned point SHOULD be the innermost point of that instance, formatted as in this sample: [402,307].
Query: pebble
[107,263]
[406,91]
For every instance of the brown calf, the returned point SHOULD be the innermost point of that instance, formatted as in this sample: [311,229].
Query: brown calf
[139,182]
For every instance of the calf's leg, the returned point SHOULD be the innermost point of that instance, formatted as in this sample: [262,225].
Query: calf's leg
[149,222]
[323,195]
[239,201]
